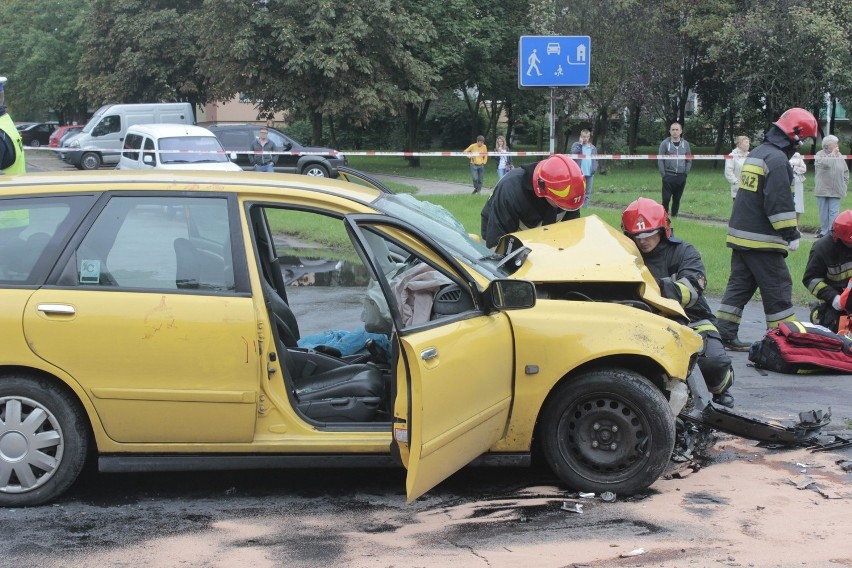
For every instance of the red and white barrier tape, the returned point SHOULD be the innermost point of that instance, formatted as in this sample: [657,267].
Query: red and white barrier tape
[421,154]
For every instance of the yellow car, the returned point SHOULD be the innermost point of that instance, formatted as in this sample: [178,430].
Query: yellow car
[191,321]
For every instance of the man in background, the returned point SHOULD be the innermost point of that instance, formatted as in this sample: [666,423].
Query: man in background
[674,167]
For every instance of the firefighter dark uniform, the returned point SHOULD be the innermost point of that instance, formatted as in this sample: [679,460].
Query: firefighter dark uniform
[826,276]
[514,205]
[761,229]
[680,272]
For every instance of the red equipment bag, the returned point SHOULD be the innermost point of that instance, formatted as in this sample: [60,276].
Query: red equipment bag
[800,348]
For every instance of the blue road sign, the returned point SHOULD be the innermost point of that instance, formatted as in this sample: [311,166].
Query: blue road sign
[554,61]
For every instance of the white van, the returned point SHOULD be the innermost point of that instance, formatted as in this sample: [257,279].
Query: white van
[101,139]
[173,147]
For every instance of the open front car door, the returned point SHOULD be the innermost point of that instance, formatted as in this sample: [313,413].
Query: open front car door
[454,357]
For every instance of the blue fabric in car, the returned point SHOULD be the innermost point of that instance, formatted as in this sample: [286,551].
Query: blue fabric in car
[347,342]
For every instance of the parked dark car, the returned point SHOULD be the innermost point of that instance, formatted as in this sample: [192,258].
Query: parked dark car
[38,134]
[239,137]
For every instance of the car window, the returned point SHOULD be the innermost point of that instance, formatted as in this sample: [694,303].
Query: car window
[149,151]
[331,288]
[108,125]
[133,142]
[279,141]
[234,139]
[27,229]
[206,146]
[155,243]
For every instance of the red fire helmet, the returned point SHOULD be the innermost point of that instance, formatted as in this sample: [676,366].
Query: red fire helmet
[644,217]
[560,179]
[797,124]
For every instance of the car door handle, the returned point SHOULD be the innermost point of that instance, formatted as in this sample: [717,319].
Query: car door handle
[428,354]
[64,309]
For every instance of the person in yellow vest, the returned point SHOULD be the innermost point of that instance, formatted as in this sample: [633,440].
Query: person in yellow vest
[11,145]
[477,153]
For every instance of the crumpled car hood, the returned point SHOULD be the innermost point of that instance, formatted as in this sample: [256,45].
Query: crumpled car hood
[586,250]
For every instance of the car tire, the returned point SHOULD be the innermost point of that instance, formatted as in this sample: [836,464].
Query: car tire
[90,161]
[35,143]
[315,170]
[608,430]
[43,441]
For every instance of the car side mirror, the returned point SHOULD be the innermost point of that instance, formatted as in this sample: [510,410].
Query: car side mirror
[286,146]
[148,159]
[232,156]
[508,294]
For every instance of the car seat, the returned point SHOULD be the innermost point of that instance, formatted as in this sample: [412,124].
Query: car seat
[327,388]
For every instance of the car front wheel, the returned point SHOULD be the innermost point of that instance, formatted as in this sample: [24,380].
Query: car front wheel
[608,430]
[43,441]
[315,170]
[90,161]
[35,143]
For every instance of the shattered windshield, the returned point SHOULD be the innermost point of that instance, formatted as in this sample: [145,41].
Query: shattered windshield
[440,224]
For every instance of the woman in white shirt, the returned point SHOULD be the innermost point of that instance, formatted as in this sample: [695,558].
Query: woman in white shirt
[734,165]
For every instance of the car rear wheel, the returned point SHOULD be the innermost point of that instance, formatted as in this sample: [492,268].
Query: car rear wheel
[608,430]
[90,161]
[35,143]
[43,441]
[315,170]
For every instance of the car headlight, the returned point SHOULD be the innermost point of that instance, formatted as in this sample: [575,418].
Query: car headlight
[74,144]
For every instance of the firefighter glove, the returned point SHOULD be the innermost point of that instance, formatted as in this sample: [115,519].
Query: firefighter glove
[794,245]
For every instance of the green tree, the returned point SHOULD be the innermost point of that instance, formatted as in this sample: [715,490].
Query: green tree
[789,59]
[40,50]
[143,51]
[351,60]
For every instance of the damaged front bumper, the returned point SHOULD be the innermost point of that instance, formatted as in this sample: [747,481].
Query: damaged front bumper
[705,411]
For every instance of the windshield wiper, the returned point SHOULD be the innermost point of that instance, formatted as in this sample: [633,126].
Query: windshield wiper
[514,259]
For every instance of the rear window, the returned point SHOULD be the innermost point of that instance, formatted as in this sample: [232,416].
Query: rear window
[33,232]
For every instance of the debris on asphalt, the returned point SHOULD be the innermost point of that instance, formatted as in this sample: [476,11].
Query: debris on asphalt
[634,552]
[572,507]
[825,443]
[609,496]
[845,465]
[682,470]
[587,495]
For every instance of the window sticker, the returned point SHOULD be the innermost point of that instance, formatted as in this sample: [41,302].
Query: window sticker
[90,271]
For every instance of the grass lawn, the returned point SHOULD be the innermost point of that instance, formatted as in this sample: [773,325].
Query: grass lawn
[704,212]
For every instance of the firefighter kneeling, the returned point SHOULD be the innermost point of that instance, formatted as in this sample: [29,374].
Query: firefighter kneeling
[827,274]
[680,273]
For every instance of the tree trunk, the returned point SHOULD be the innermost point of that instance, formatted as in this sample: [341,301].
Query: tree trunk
[316,128]
[510,122]
[831,110]
[600,131]
[633,128]
[332,142]
[414,118]
[720,135]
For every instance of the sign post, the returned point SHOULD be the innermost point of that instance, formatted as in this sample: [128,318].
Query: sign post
[554,61]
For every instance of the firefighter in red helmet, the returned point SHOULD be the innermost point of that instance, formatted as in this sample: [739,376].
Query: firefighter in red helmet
[532,195]
[828,272]
[762,229]
[680,273]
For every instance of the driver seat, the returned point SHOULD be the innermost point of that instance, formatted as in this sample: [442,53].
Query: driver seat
[327,389]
